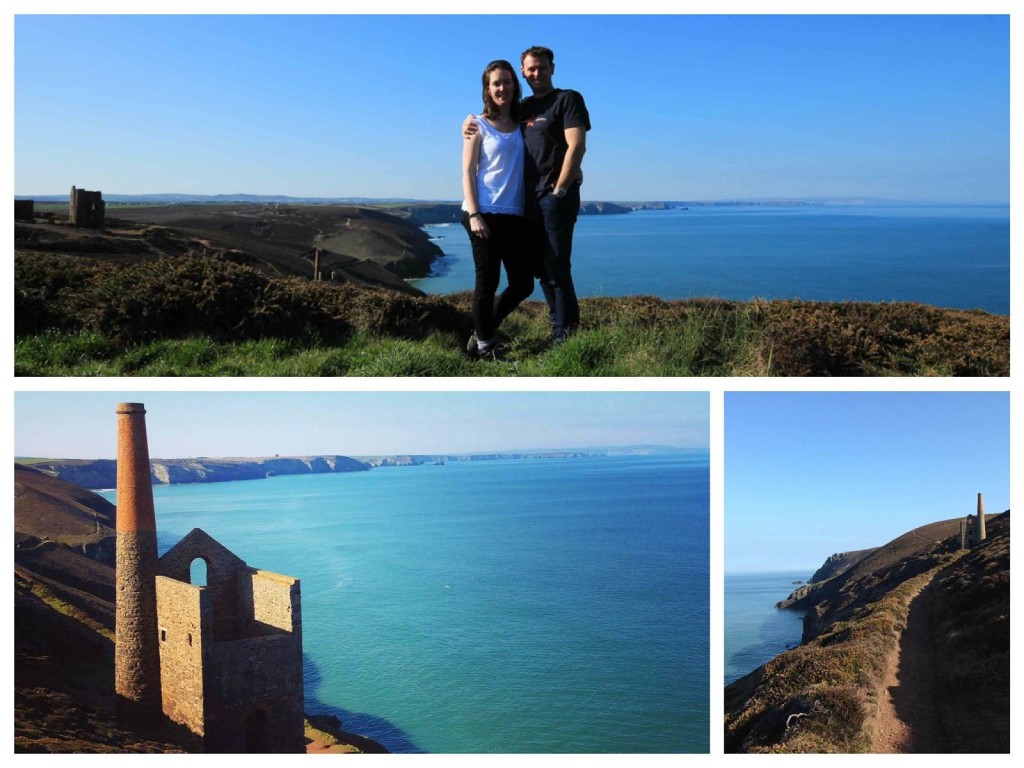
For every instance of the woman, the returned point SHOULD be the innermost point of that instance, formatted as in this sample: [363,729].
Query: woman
[492,210]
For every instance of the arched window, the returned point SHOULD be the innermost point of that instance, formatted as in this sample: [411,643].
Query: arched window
[197,572]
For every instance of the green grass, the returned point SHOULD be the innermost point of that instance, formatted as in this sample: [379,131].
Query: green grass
[704,345]
[193,316]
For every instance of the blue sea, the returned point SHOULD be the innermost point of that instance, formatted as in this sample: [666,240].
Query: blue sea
[948,256]
[544,605]
[755,630]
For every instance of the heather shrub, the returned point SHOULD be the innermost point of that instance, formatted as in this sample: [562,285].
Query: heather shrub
[219,297]
[865,339]
[174,298]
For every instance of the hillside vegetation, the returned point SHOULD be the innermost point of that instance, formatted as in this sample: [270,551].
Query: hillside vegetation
[207,315]
[824,695]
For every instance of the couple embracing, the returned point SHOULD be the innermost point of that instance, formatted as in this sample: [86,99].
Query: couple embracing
[521,181]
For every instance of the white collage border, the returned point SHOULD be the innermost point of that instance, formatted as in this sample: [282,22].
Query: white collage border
[717,387]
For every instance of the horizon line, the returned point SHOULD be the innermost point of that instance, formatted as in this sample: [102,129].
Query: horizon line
[759,199]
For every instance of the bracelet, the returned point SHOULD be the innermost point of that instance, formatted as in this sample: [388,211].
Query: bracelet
[476,214]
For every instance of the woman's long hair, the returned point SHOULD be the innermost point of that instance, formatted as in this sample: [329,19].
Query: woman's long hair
[490,108]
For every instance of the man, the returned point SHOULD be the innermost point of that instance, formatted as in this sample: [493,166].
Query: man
[555,124]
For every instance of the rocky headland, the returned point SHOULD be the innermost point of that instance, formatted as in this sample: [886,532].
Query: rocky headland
[102,473]
[835,565]
[905,648]
[64,697]
[424,214]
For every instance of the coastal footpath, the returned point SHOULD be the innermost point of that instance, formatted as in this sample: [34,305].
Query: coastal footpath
[906,648]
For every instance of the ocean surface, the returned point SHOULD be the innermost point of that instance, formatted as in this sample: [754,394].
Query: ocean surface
[948,256]
[755,630]
[555,605]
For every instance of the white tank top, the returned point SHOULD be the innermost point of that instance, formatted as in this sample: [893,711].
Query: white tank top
[499,175]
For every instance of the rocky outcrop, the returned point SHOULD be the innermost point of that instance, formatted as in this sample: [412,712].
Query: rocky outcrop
[424,214]
[839,563]
[601,209]
[835,565]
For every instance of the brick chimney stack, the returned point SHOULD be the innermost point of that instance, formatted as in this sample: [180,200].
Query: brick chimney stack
[981,519]
[136,650]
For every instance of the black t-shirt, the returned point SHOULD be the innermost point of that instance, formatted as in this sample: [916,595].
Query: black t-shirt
[544,121]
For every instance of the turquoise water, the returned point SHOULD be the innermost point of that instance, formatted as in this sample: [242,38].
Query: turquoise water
[755,630]
[956,257]
[556,605]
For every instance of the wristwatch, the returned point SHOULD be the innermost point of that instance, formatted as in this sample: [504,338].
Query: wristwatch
[559,192]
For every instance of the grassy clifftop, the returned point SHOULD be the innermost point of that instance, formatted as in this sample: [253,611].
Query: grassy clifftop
[203,315]
[829,694]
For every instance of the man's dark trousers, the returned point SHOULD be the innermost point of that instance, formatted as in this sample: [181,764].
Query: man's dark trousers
[559,217]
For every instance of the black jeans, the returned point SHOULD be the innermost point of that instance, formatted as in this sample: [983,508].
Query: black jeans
[504,246]
[559,220]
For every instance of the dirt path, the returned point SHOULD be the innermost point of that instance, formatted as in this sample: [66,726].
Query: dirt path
[907,720]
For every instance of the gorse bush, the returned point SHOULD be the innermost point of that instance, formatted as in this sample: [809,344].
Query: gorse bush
[869,339]
[175,298]
[345,329]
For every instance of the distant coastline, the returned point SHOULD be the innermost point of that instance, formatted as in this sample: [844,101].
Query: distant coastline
[102,473]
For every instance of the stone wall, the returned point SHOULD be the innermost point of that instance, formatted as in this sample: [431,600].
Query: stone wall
[136,657]
[231,652]
[254,695]
[184,620]
[224,572]
[276,603]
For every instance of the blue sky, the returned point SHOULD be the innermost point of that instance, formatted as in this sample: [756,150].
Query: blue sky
[808,474]
[683,107]
[83,424]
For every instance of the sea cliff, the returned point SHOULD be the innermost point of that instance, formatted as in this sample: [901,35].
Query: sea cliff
[102,473]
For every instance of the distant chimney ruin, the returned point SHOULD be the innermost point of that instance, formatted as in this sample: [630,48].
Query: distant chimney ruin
[87,209]
[972,529]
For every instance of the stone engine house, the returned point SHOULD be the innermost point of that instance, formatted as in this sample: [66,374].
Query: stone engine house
[226,658]
[87,209]
[972,528]
[230,652]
